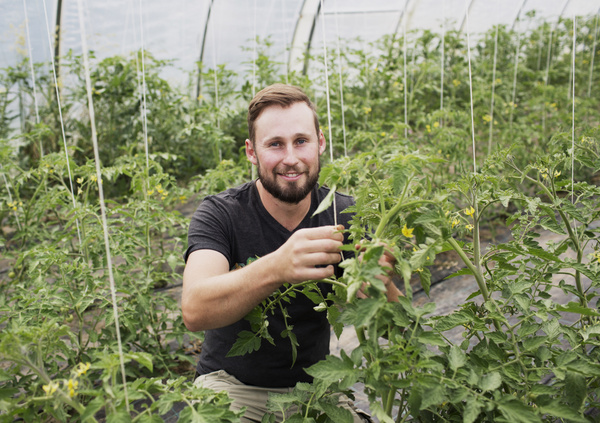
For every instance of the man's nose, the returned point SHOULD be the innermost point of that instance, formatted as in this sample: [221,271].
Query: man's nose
[290,158]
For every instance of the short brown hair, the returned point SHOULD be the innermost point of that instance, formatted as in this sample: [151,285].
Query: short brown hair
[277,94]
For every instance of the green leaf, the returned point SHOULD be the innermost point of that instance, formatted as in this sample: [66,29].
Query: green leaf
[91,409]
[333,369]
[490,382]
[361,313]
[246,343]
[456,358]
[326,203]
[517,412]
[562,411]
[453,320]
[431,338]
[573,307]
[425,277]
[337,414]
[533,343]
[436,395]
[472,410]
[145,359]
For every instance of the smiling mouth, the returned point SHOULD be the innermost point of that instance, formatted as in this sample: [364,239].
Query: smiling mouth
[290,175]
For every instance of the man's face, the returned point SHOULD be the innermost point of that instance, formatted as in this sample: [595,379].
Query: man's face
[286,151]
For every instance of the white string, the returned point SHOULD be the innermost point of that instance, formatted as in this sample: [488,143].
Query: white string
[405,75]
[128,15]
[443,61]
[339,57]
[88,84]
[144,109]
[254,39]
[35,102]
[62,123]
[514,92]
[285,39]
[10,197]
[593,55]
[493,91]
[573,112]
[546,78]
[328,102]
[471,88]
[216,80]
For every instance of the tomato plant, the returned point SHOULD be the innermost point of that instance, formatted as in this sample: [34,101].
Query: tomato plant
[521,356]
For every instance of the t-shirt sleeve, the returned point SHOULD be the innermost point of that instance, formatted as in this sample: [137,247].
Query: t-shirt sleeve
[209,229]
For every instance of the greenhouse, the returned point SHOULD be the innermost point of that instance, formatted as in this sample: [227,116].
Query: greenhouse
[431,253]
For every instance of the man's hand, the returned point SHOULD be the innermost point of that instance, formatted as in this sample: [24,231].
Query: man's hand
[214,297]
[309,254]
[388,262]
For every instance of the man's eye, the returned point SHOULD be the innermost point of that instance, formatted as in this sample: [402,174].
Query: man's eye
[301,141]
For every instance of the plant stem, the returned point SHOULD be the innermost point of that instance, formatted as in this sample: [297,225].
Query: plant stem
[394,211]
[478,277]
[389,402]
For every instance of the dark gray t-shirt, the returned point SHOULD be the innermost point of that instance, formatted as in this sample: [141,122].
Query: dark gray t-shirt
[236,224]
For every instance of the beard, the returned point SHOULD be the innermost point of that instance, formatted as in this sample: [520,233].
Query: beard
[290,192]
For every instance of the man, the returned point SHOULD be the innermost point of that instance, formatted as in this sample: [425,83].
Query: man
[246,242]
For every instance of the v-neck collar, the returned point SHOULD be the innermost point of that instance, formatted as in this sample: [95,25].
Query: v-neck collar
[303,223]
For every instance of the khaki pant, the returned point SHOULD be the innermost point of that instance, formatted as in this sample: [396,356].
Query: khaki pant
[254,398]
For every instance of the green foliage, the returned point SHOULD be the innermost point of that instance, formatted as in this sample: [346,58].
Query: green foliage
[523,356]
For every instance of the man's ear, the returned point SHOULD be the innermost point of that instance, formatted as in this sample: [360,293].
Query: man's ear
[322,143]
[250,153]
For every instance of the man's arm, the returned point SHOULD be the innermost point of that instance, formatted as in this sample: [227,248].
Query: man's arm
[214,297]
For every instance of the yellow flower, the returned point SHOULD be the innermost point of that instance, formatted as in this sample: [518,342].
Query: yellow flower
[159,189]
[150,191]
[556,173]
[597,255]
[72,386]
[407,232]
[469,227]
[456,82]
[383,134]
[419,270]
[82,368]
[50,388]
[80,180]
[470,211]
[428,127]
[455,222]
[487,118]
[498,81]
[93,178]
[436,124]
[79,191]
[367,110]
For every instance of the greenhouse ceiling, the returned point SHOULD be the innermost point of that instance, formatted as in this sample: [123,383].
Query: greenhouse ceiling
[222,32]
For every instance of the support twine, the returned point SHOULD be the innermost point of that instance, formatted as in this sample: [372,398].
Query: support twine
[88,84]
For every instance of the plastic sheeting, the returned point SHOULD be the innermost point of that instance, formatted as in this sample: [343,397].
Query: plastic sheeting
[223,31]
